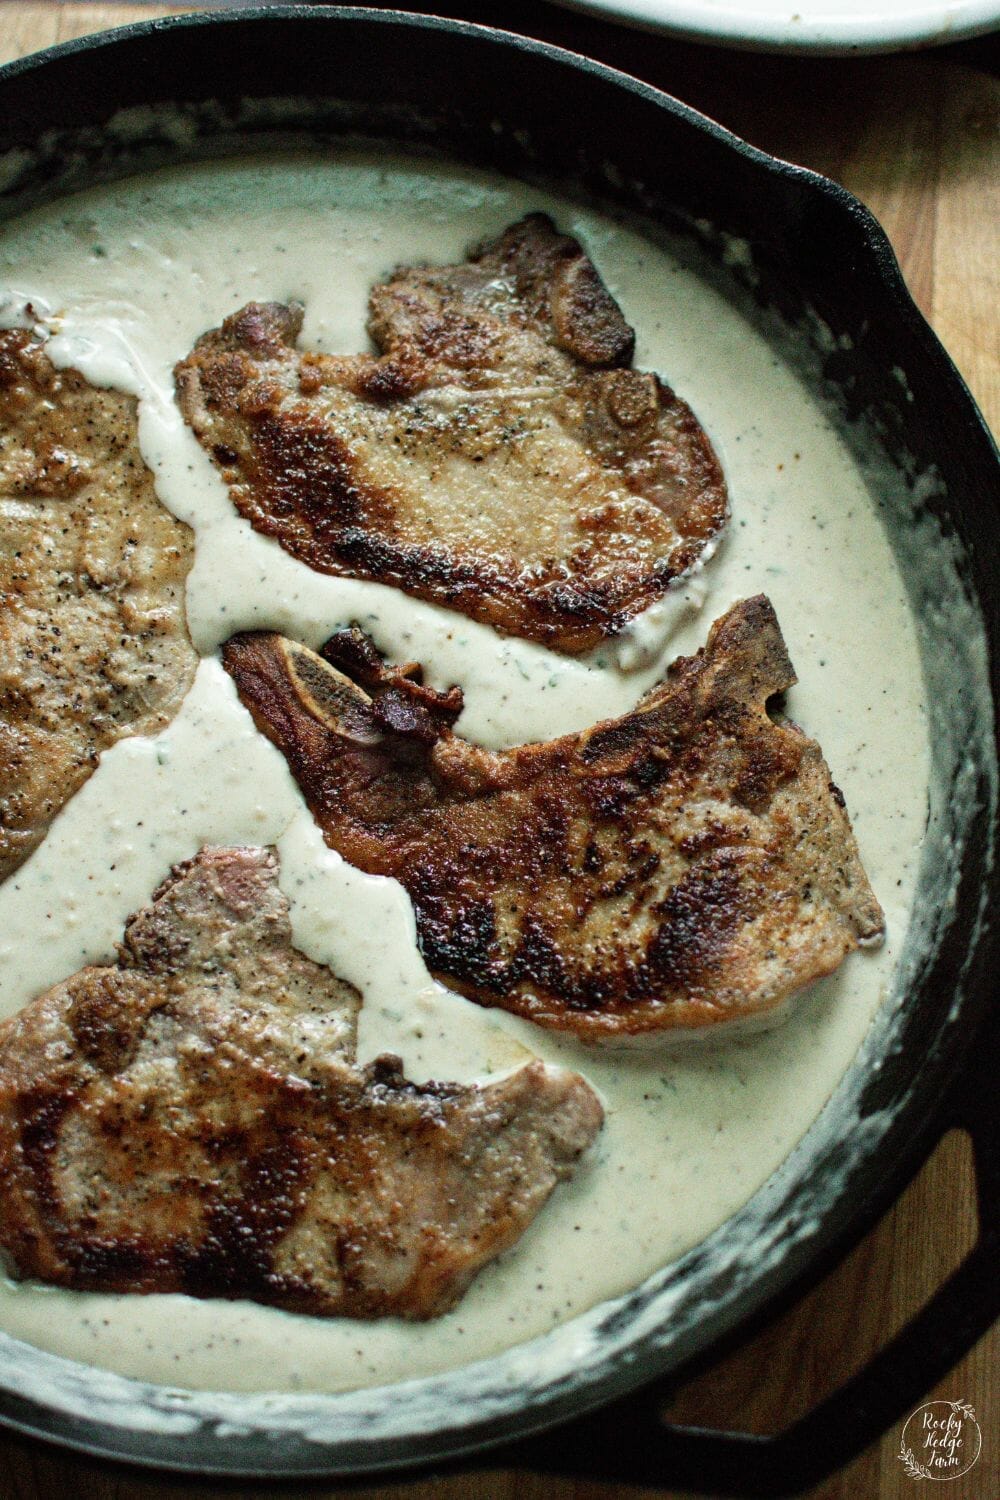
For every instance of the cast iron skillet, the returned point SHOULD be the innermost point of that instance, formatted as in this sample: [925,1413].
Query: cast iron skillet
[592,1407]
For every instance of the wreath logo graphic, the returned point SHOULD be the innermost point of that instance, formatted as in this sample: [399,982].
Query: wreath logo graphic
[941,1440]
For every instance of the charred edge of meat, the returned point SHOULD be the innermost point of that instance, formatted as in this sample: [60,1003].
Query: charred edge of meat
[401,704]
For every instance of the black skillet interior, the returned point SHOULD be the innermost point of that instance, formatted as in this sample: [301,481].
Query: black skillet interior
[521,108]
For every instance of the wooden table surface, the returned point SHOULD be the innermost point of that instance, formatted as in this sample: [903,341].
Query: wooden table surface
[915,136]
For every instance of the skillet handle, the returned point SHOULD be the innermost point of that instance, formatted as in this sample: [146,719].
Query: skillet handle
[628,1442]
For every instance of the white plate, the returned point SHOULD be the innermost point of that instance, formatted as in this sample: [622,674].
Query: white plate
[818,26]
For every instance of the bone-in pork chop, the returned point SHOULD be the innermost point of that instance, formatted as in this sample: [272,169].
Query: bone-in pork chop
[500,457]
[688,864]
[191,1119]
[93,640]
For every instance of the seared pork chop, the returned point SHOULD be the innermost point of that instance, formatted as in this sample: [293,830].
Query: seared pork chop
[500,457]
[191,1119]
[688,864]
[93,640]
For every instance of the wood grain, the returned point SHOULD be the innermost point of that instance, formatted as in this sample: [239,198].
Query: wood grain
[916,138]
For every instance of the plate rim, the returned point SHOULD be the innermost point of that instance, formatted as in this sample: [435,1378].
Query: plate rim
[760,27]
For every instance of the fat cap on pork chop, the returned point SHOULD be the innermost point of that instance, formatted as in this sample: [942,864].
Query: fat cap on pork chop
[499,456]
[686,865]
[191,1119]
[93,639]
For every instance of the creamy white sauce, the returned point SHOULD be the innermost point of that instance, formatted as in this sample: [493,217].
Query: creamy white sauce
[124,279]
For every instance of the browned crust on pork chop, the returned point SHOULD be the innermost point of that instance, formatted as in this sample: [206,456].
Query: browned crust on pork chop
[191,1119]
[93,639]
[500,456]
[688,864]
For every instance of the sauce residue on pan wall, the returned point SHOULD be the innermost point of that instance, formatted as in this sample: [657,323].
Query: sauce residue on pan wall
[125,278]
